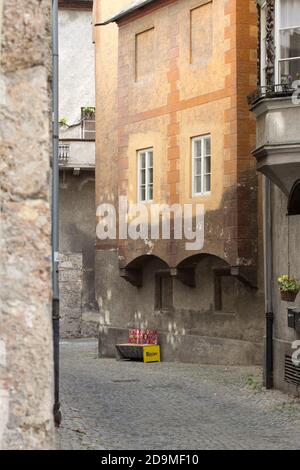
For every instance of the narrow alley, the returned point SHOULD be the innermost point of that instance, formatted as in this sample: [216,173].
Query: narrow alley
[114,405]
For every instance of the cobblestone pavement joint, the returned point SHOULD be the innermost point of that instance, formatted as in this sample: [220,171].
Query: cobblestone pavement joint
[112,405]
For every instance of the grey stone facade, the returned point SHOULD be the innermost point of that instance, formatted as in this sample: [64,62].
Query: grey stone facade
[78,308]
[277,153]
[286,260]
[26,357]
[191,329]
[79,312]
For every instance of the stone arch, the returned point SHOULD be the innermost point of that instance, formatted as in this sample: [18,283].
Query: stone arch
[133,271]
[185,270]
[294,199]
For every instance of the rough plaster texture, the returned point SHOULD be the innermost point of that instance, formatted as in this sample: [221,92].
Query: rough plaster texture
[191,331]
[76,237]
[286,260]
[70,289]
[26,358]
[178,98]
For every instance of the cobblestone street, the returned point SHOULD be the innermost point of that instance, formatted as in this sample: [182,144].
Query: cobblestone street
[126,405]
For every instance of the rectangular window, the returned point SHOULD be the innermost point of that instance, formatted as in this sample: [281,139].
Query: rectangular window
[163,291]
[288,40]
[145,176]
[201,165]
[88,124]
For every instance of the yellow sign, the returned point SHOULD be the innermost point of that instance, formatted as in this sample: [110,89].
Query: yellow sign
[151,353]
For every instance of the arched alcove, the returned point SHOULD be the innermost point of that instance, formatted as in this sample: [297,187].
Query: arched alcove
[294,199]
[133,271]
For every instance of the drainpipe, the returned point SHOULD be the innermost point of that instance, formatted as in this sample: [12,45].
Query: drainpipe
[268,283]
[55,208]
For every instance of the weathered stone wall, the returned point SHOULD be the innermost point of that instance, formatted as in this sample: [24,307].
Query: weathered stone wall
[161,100]
[70,290]
[286,260]
[26,359]
[77,240]
[77,320]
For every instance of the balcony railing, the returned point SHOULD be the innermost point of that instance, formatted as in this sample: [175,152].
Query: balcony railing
[64,153]
[77,153]
[271,91]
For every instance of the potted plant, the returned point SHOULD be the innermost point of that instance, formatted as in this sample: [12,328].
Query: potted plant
[88,112]
[289,288]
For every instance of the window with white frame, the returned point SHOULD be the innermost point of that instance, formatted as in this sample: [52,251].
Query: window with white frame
[287,41]
[201,165]
[145,175]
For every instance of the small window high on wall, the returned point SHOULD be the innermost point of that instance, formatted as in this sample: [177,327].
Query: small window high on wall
[201,165]
[287,33]
[145,175]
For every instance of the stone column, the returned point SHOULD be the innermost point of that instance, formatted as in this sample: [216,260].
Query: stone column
[26,356]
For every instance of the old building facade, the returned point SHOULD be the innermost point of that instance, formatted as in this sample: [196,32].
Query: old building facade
[78,310]
[173,127]
[277,109]
[26,354]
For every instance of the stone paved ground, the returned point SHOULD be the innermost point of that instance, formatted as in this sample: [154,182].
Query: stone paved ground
[126,405]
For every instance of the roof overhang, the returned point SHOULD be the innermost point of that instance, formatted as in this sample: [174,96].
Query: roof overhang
[142,4]
[75,4]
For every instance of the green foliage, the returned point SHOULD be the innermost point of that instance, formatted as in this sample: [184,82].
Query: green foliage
[63,122]
[288,284]
[89,109]
[254,384]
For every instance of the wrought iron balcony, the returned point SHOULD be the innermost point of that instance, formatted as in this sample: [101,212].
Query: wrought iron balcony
[271,91]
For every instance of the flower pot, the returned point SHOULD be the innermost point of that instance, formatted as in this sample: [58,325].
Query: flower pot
[288,296]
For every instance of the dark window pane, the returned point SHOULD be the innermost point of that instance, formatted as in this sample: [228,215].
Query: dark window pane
[207,183]
[197,188]
[198,148]
[207,168]
[143,160]
[207,146]
[150,175]
[197,167]
[143,193]
[150,193]
[289,71]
